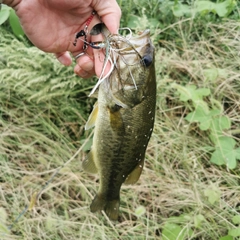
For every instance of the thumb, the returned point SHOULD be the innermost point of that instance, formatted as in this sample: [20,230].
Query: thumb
[110,13]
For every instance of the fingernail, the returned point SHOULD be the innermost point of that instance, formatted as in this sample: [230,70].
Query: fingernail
[83,74]
[80,72]
[77,69]
[63,60]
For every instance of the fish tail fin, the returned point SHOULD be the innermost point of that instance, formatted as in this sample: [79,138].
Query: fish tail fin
[97,204]
[111,208]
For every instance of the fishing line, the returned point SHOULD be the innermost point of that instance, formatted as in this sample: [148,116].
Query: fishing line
[128,66]
[130,32]
[111,50]
[36,194]
[132,77]
[100,80]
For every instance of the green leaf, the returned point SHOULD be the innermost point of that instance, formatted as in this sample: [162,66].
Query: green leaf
[203,6]
[221,123]
[234,232]
[200,115]
[173,231]
[184,92]
[198,219]
[237,152]
[203,92]
[139,211]
[231,161]
[153,23]
[215,112]
[87,145]
[213,195]
[15,24]
[221,9]
[4,14]
[227,143]
[207,120]
[236,219]
[133,21]
[224,8]
[225,152]
[218,125]
[217,158]
[190,92]
[226,238]
[212,74]
[180,10]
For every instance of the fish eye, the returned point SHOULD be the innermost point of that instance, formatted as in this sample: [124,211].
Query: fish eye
[147,60]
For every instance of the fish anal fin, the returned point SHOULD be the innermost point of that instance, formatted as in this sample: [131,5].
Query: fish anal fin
[88,164]
[111,208]
[92,118]
[135,174]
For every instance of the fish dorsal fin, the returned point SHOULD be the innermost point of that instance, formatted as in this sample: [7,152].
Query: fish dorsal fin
[88,164]
[135,174]
[92,118]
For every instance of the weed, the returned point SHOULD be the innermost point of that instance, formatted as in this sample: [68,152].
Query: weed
[181,193]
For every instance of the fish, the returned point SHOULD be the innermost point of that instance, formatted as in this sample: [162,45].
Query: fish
[123,117]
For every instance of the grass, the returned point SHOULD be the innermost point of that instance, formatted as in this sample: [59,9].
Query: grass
[43,111]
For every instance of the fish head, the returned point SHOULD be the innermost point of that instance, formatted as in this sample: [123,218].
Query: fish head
[133,76]
[135,60]
[142,45]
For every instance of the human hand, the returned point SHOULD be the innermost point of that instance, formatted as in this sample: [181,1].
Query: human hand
[51,25]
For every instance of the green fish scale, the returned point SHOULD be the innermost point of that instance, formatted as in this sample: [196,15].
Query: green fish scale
[124,124]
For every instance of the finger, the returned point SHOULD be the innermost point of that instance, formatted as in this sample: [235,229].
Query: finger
[110,13]
[64,58]
[102,66]
[84,67]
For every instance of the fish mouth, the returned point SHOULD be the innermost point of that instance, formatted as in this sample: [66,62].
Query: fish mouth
[140,38]
[136,50]
[131,50]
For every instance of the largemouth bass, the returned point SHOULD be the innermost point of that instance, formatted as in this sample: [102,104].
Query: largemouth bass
[123,118]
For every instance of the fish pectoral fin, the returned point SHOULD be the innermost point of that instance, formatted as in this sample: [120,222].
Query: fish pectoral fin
[116,122]
[120,103]
[88,164]
[92,118]
[135,174]
[111,208]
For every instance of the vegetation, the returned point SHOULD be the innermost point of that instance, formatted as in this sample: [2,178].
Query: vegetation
[189,188]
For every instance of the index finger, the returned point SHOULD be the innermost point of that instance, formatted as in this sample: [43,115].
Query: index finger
[101,63]
[110,13]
